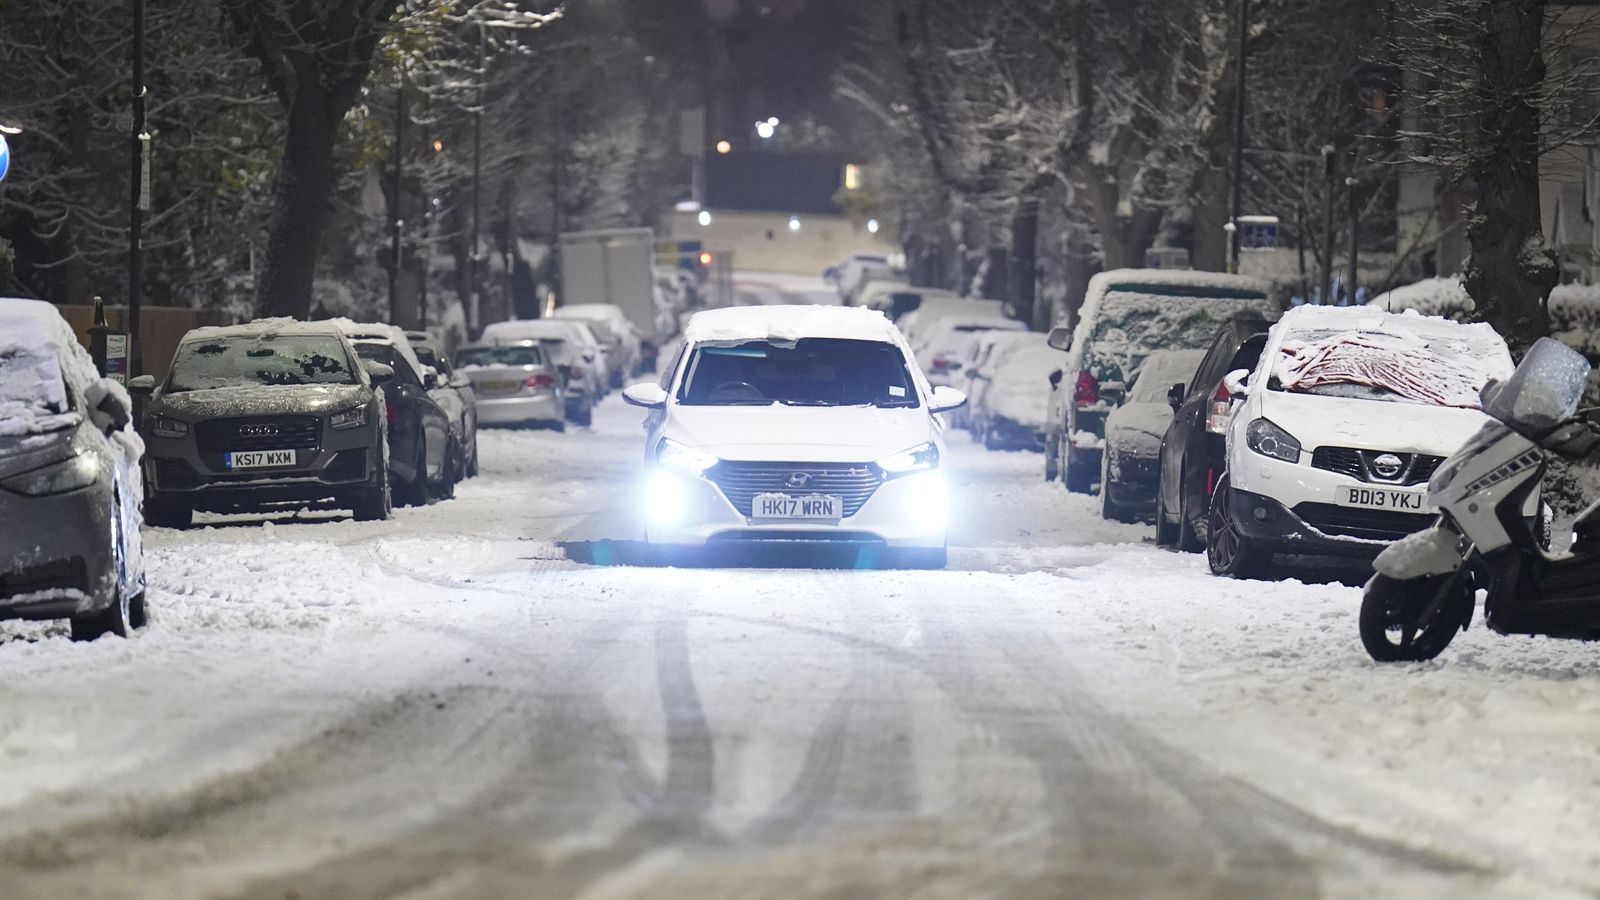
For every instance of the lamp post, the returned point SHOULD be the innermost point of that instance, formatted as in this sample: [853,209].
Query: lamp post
[473,321]
[1236,206]
[397,224]
[139,194]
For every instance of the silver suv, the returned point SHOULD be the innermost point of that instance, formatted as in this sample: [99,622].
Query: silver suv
[256,416]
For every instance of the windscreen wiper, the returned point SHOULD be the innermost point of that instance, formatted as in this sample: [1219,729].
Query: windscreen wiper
[806,403]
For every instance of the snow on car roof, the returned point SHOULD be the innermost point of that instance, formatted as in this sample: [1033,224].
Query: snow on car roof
[589,311]
[534,329]
[785,324]
[262,327]
[1126,278]
[46,359]
[383,333]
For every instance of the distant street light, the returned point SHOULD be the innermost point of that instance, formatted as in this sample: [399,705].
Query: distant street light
[765,130]
[794,223]
[872,226]
[724,147]
[705,217]
[773,121]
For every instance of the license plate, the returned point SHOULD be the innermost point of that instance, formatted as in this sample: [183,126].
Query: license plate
[785,506]
[1382,498]
[498,387]
[260,459]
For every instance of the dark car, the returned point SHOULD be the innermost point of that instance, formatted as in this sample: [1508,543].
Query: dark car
[1128,314]
[424,454]
[1129,469]
[251,417]
[453,392]
[69,482]
[1192,452]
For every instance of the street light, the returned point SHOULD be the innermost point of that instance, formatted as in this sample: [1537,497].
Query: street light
[765,130]
[724,147]
[794,223]
[872,226]
[705,217]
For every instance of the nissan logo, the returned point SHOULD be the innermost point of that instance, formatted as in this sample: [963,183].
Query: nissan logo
[257,431]
[1387,465]
[798,480]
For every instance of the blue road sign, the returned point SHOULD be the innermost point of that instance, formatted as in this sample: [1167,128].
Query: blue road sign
[5,157]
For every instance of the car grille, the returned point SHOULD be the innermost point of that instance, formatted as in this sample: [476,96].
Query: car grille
[1415,468]
[260,433]
[854,483]
[1368,524]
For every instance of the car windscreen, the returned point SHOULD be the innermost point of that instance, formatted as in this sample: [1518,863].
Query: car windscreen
[266,359]
[1163,370]
[1381,365]
[809,372]
[478,357]
[33,395]
[426,356]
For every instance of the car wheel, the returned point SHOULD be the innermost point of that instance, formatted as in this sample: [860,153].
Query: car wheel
[115,619]
[585,416]
[1166,531]
[164,512]
[445,487]
[375,502]
[138,613]
[1077,478]
[414,492]
[991,439]
[1052,466]
[1110,510]
[472,457]
[1228,551]
[1189,539]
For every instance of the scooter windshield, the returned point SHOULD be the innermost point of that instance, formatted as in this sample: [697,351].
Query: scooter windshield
[1544,391]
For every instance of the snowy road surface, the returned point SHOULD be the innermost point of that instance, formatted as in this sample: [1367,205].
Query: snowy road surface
[449,705]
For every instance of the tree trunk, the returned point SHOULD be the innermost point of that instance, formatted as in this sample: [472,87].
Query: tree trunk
[1512,269]
[1210,213]
[1023,278]
[299,205]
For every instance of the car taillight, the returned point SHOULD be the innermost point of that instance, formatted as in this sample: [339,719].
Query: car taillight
[941,364]
[1088,392]
[648,350]
[540,381]
[1220,411]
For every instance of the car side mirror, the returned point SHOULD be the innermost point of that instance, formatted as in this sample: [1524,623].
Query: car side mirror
[430,377]
[645,394]
[1237,383]
[946,399]
[142,384]
[1055,379]
[1175,396]
[1112,393]
[1060,338]
[588,356]
[111,411]
[380,373]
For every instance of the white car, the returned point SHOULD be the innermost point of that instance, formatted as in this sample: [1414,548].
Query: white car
[801,424]
[611,326]
[574,331]
[1342,423]
[1016,385]
[949,338]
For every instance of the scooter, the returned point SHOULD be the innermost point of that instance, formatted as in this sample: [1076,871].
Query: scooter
[1425,585]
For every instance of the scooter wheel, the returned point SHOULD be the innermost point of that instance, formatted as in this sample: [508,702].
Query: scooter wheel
[1393,628]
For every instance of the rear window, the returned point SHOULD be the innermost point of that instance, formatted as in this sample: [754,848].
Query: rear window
[266,359]
[477,357]
[1132,324]
[811,372]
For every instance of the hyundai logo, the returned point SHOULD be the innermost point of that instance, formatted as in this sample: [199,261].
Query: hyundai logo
[1387,465]
[257,430]
[798,480]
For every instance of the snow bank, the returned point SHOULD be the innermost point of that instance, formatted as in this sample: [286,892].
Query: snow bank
[786,324]
[40,358]
[1418,358]
[1445,297]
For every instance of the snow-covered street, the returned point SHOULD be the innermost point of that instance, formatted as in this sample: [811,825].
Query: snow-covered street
[487,698]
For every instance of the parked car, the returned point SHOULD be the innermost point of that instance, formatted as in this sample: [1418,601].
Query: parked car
[828,435]
[454,395]
[981,351]
[517,384]
[856,271]
[70,485]
[1193,454]
[591,355]
[1130,470]
[615,333]
[1015,388]
[934,308]
[254,416]
[424,452]
[1345,418]
[1128,314]
[946,339]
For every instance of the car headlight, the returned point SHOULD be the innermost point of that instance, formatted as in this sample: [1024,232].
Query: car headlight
[161,426]
[918,459]
[681,457]
[354,417]
[68,475]
[1268,439]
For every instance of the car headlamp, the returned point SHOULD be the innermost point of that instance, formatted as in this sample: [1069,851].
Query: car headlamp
[920,458]
[161,426]
[682,458]
[355,417]
[1268,439]
[58,478]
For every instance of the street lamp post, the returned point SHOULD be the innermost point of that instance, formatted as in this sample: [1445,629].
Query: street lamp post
[477,184]
[397,224]
[139,194]
[1328,170]
[1237,201]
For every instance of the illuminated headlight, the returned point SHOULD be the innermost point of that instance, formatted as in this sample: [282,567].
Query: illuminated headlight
[67,475]
[1268,439]
[682,458]
[350,418]
[664,498]
[168,428]
[928,499]
[920,458]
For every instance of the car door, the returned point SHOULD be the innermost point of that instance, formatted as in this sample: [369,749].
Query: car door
[1188,423]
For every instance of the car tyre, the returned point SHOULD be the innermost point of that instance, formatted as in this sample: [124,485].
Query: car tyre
[1052,462]
[445,487]
[1076,478]
[115,619]
[472,455]
[1110,510]
[1189,539]
[375,503]
[1392,606]
[414,492]
[168,512]
[1166,531]
[1229,552]
[585,415]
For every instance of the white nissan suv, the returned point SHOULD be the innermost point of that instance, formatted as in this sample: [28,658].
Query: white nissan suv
[797,424]
[1342,423]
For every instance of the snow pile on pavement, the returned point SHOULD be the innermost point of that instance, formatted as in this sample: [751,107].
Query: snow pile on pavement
[787,324]
[39,358]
